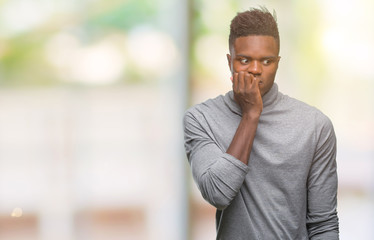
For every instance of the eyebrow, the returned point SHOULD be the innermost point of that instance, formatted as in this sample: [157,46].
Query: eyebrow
[266,57]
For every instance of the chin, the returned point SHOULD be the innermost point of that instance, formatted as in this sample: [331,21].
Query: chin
[264,91]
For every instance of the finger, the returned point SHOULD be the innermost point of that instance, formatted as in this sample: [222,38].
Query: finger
[256,84]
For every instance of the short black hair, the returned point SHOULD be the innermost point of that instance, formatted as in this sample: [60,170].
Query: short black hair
[254,22]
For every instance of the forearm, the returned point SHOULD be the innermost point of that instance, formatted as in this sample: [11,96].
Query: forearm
[241,144]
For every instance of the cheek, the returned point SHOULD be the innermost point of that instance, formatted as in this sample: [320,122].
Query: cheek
[269,74]
[238,67]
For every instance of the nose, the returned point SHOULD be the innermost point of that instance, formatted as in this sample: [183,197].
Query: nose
[254,68]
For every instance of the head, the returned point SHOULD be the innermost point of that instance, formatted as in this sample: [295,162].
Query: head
[254,46]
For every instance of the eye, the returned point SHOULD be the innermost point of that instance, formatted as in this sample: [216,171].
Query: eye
[244,61]
[266,62]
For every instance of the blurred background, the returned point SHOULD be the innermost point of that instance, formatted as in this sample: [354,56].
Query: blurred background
[92,95]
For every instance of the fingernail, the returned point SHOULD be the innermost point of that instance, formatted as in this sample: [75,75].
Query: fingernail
[231,78]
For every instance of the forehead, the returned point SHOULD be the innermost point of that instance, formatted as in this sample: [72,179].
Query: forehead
[256,45]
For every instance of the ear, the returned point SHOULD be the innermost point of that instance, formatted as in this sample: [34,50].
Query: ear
[229,61]
[276,63]
[279,57]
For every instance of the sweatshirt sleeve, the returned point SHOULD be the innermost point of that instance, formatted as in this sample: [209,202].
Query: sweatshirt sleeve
[322,219]
[217,174]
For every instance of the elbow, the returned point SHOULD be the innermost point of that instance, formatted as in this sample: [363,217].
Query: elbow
[216,193]
[221,204]
[217,200]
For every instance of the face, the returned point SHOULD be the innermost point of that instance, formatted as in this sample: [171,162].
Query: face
[257,55]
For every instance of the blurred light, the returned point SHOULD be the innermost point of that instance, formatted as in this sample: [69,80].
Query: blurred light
[17,212]
[23,15]
[99,63]
[346,40]
[60,48]
[215,13]
[349,53]
[209,51]
[152,51]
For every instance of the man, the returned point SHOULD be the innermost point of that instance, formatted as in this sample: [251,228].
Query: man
[265,160]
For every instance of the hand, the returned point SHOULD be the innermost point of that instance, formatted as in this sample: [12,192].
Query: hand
[247,94]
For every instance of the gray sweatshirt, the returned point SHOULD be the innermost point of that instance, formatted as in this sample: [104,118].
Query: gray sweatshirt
[288,189]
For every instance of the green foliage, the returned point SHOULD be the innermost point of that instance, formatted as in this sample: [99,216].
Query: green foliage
[23,64]
[22,55]
[124,16]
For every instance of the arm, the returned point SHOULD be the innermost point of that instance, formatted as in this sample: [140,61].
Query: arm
[220,175]
[322,219]
[217,174]
[247,95]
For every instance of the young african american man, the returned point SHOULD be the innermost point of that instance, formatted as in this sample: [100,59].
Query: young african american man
[266,161]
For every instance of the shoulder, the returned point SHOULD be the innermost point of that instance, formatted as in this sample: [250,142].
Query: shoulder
[304,110]
[203,119]
[209,107]
[308,115]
